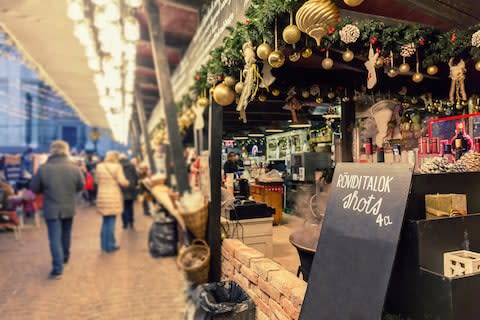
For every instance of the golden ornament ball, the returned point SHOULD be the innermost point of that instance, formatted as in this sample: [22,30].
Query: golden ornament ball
[392,72]
[264,50]
[294,56]
[353,3]
[331,95]
[319,100]
[477,66]
[327,63]
[223,95]
[229,81]
[379,63]
[307,53]
[459,106]
[291,34]
[239,87]
[202,102]
[315,17]
[348,55]
[441,109]
[432,70]
[404,68]
[417,77]
[275,92]
[262,98]
[276,59]
[305,94]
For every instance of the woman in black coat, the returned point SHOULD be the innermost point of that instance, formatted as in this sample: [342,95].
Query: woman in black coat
[130,192]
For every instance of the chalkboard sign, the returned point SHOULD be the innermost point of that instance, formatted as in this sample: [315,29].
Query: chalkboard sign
[355,253]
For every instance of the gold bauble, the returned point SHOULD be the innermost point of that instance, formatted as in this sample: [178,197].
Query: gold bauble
[229,81]
[239,87]
[294,56]
[319,100]
[327,63]
[223,95]
[404,68]
[275,92]
[305,94]
[315,16]
[459,106]
[441,109]
[379,63]
[432,70]
[202,102]
[262,98]
[307,53]
[276,59]
[264,50]
[353,3]
[392,72]
[331,95]
[477,66]
[291,34]
[348,55]
[417,77]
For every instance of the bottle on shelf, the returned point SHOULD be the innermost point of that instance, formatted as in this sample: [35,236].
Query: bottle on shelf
[461,142]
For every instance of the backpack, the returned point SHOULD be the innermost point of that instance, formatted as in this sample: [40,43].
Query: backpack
[89,182]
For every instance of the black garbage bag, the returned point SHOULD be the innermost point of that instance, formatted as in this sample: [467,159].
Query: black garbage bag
[162,237]
[222,300]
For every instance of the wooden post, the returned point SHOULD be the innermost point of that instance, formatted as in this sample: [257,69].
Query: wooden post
[143,124]
[162,71]
[215,125]
[348,122]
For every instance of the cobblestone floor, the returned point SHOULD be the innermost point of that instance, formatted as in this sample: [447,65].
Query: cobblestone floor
[127,284]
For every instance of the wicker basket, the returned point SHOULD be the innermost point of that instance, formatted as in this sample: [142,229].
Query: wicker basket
[196,221]
[198,250]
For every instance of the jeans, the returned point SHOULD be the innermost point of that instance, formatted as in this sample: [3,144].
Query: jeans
[59,237]
[107,234]
[127,215]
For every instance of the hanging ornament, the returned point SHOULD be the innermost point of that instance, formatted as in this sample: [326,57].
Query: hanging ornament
[262,97]
[223,95]
[315,90]
[370,65]
[275,92]
[348,55]
[432,70]
[392,72]
[349,33]
[268,79]
[264,50]
[404,67]
[327,63]
[315,16]
[476,39]
[276,59]
[239,85]
[252,79]
[307,53]
[211,79]
[457,74]
[319,100]
[477,66]
[417,76]
[197,77]
[407,50]
[294,56]
[291,34]
[305,94]
[331,95]
[202,102]
[379,63]
[229,81]
[353,3]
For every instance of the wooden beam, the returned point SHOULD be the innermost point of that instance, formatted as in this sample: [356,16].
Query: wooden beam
[143,124]
[162,72]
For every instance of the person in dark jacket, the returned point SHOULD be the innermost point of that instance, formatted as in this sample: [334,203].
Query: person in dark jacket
[231,165]
[130,192]
[59,180]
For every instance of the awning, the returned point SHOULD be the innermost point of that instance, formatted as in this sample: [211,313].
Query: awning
[44,35]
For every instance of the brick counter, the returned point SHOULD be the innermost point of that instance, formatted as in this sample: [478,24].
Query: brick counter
[278,294]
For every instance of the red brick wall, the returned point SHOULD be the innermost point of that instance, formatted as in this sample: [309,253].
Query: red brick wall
[277,293]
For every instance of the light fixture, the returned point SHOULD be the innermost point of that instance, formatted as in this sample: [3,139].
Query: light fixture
[75,10]
[100,2]
[298,125]
[240,137]
[131,29]
[273,130]
[134,3]
[256,135]
[112,11]
[100,19]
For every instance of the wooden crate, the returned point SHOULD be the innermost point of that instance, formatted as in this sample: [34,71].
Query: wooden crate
[460,263]
[446,205]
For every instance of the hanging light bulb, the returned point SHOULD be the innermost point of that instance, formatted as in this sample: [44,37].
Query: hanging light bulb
[134,3]
[100,2]
[100,19]
[83,33]
[76,10]
[131,30]
[112,11]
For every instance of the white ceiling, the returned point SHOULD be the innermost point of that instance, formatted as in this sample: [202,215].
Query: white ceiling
[44,34]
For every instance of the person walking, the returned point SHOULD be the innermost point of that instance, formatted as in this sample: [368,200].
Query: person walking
[110,180]
[59,180]
[130,192]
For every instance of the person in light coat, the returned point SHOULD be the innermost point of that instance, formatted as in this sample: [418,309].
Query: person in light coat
[110,180]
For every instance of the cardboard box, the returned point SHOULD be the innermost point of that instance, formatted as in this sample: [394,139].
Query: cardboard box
[445,205]
[460,263]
